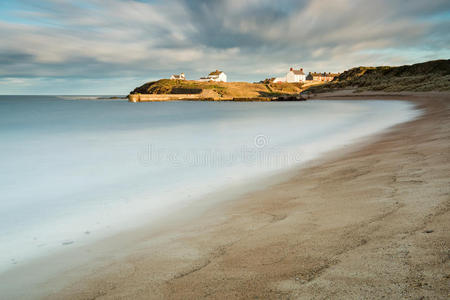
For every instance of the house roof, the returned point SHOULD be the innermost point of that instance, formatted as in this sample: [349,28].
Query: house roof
[216,72]
[325,74]
[178,76]
[298,72]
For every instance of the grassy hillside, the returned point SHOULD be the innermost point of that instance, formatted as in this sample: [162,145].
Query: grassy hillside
[218,90]
[427,76]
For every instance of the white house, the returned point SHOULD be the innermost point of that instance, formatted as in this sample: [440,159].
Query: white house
[215,76]
[292,76]
[179,77]
[295,76]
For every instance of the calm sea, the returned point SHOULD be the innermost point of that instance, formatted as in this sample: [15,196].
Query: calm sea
[74,169]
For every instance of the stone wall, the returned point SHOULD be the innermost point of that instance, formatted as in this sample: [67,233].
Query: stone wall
[162,97]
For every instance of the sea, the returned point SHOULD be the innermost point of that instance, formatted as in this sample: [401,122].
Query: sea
[75,169]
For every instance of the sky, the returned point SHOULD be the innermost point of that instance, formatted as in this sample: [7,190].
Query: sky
[109,47]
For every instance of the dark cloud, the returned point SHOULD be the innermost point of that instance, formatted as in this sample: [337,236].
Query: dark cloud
[10,59]
[236,23]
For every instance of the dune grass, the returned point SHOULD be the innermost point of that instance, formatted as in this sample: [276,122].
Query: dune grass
[423,77]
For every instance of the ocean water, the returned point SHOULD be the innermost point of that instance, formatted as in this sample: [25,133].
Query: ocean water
[72,171]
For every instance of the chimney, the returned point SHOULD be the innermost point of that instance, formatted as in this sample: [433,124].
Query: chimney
[291,69]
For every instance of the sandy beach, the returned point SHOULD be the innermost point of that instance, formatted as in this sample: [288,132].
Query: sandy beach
[224,150]
[368,221]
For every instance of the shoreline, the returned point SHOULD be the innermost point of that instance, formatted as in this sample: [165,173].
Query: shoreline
[261,243]
[135,98]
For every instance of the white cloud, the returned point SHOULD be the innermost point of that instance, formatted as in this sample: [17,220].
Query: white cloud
[257,38]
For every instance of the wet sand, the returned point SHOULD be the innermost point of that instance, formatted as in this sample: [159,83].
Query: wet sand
[368,221]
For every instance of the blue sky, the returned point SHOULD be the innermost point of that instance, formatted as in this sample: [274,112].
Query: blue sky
[111,46]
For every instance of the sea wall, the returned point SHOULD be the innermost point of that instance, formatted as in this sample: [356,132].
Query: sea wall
[162,97]
[174,97]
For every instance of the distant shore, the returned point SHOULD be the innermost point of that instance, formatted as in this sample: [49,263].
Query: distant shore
[367,221]
[168,90]
[193,97]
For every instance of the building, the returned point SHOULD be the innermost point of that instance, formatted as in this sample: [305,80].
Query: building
[215,76]
[295,76]
[321,76]
[203,79]
[178,77]
[292,76]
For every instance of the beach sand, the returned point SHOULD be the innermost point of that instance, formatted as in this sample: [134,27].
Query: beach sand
[368,221]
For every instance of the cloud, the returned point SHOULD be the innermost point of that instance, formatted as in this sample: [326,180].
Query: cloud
[249,39]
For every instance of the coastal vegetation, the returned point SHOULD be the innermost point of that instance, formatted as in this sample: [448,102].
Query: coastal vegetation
[219,90]
[421,77]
